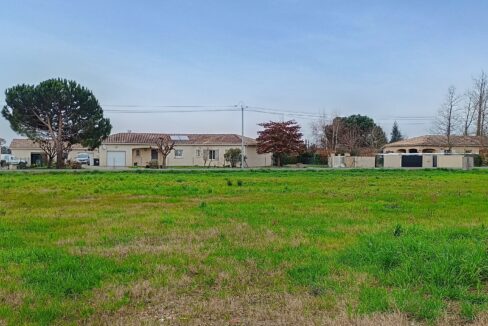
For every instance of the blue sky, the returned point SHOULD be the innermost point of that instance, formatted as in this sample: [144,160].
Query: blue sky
[380,58]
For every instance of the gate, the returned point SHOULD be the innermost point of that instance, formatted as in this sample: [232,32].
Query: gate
[411,161]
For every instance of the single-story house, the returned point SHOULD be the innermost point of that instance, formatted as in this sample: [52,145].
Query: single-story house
[438,144]
[31,152]
[139,149]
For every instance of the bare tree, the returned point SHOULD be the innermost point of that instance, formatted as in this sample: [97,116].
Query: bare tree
[377,138]
[318,131]
[165,145]
[351,138]
[468,114]
[205,156]
[326,131]
[49,148]
[480,97]
[448,116]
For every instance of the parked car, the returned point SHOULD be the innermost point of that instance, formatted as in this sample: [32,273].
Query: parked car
[10,159]
[83,158]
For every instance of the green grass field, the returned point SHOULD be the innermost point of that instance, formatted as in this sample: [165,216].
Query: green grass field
[254,247]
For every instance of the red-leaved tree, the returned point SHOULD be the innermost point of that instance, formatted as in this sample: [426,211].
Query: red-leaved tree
[280,138]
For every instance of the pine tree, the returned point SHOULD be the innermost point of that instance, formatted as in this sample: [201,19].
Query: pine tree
[396,135]
[57,111]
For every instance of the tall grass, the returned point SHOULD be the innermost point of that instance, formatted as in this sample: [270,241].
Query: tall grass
[112,248]
[426,268]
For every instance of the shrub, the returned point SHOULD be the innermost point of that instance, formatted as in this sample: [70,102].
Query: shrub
[484,156]
[477,159]
[153,164]
[239,183]
[73,165]
[229,183]
[233,156]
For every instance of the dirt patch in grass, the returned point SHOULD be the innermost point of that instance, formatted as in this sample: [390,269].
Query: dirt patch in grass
[248,308]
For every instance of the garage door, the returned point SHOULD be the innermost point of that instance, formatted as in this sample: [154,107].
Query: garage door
[116,159]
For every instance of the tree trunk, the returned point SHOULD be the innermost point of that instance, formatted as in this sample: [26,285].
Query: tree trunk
[478,122]
[59,142]
[59,155]
[164,161]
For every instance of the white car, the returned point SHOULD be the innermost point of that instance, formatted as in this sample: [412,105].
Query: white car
[83,158]
[10,159]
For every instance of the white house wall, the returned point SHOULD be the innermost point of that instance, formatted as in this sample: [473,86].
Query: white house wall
[189,158]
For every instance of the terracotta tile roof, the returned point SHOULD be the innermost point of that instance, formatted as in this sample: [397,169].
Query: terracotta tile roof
[193,139]
[441,141]
[22,143]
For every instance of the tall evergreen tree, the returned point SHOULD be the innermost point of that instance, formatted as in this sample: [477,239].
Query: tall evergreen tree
[57,111]
[396,135]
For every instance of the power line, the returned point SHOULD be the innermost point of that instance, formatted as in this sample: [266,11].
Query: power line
[118,109]
[166,106]
[168,111]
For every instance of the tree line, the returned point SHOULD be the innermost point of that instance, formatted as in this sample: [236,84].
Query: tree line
[465,113]
[355,134]
[58,113]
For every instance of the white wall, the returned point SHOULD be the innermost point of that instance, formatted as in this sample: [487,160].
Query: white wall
[392,161]
[189,158]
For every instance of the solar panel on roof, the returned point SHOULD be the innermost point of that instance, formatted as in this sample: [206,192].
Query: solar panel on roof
[179,137]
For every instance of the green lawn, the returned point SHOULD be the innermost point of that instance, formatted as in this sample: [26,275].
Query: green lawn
[254,247]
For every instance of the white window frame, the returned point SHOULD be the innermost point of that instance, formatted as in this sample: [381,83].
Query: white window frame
[214,156]
[179,151]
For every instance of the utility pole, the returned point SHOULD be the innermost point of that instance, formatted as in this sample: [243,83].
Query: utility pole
[242,135]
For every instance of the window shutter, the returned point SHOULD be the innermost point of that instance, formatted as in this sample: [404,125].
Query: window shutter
[216,154]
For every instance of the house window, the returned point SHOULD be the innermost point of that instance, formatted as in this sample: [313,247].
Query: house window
[212,154]
[198,153]
[468,151]
[138,152]
[178,153]
[154,154]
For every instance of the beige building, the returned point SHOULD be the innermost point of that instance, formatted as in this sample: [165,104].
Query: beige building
[139,149]
[27,150]
[438,144]
[427,161]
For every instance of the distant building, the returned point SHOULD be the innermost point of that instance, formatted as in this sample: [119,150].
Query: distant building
[438,144]
[29,151]
[139,149]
